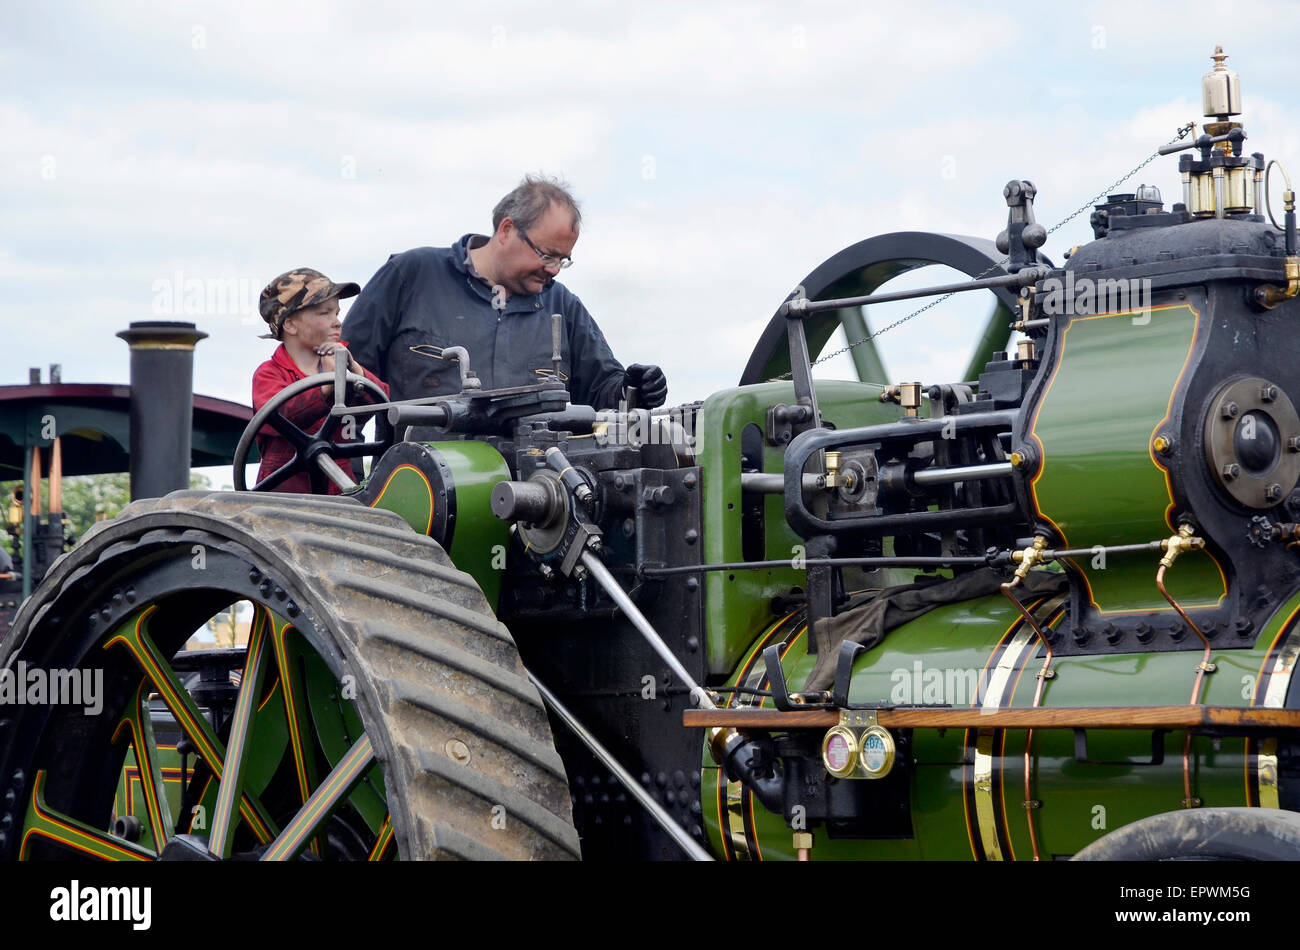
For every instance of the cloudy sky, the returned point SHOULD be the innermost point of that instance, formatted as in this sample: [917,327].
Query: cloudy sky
[720,151]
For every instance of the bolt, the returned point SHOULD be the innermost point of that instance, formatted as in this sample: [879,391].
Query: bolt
[1293,444]
[1273,492]
[1017,460]
[583,493]
[689,480]
[691,536]
[545,570]
[1231,470]
[1229,410]
[594,543]
[1144,632]
[1162,445]
[1268,393]
[457,750]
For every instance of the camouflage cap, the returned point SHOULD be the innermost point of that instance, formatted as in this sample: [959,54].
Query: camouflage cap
[294,290]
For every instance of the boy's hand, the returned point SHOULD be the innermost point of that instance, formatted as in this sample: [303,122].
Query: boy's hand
[326,353]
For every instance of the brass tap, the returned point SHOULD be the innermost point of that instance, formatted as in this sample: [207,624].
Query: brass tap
[1184,540]
[1030,557]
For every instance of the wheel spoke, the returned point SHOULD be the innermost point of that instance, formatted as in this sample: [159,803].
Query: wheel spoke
[44,822]
[352,450]
[132,635]
[350,770]
[222,833]
[297,712]
[296,436]
[137,720]
[383,843]
[280,475]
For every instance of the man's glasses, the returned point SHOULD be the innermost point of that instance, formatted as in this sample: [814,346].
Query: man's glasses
[548,260]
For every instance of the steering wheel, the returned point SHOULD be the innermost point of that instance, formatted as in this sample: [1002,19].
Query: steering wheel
[315,453]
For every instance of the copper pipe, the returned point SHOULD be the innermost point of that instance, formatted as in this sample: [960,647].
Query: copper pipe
[1043,675]
[1201,670]
[35,500]
[56,477]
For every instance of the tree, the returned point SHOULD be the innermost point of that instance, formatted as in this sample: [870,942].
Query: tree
[88,498]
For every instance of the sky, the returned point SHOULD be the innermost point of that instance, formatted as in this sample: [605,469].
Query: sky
[163,161]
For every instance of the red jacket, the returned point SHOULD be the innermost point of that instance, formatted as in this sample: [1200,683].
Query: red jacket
[307,411]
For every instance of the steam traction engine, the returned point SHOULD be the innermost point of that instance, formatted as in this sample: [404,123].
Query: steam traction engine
[998,618]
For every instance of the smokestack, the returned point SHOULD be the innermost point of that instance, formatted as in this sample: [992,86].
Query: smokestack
[162,401]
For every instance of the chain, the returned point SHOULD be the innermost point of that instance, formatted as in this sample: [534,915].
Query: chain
[1182,134]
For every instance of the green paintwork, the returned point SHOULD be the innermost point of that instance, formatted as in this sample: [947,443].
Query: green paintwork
[479,539]
[737,603]
[1098,479]
[1080,801]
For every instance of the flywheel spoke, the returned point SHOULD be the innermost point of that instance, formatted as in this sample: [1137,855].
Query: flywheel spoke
[133,636]
[44,822]
[345,777]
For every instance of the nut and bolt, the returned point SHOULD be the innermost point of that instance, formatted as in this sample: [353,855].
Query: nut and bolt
[1273,492]
[1229,410]
[1162,445]
[1268,393]
[1231,470]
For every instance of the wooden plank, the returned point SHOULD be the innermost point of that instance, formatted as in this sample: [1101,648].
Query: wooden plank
[1097,717]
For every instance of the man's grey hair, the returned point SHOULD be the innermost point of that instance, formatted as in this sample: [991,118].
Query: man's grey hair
[526,205]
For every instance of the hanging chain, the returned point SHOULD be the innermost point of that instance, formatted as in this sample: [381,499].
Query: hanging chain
[1182,134]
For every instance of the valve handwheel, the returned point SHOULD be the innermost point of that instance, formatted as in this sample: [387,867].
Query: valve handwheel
[315,453]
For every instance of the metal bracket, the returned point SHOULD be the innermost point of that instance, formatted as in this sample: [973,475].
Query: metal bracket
[776,677]
[1157,750]
[844,671]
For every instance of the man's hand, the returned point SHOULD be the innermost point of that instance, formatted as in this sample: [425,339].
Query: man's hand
[650,382]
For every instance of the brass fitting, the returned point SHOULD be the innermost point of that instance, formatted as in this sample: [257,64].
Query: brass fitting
[1030,557]
[889,394]
[909,397]
[1184,540]
[803,842]
[719,737]
[1269,296]
[832,469]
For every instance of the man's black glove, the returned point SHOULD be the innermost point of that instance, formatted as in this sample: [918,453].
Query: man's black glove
[650,383]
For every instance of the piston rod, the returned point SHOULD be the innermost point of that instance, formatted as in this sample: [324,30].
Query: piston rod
[657,812]
[611,586]
[963,473]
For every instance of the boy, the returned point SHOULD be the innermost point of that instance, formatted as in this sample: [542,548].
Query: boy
[301,307]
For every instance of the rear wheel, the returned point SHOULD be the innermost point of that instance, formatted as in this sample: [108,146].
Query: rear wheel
[1203,834]
[380,709]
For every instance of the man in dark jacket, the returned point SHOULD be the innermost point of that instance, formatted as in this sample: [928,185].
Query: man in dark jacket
[495,297]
